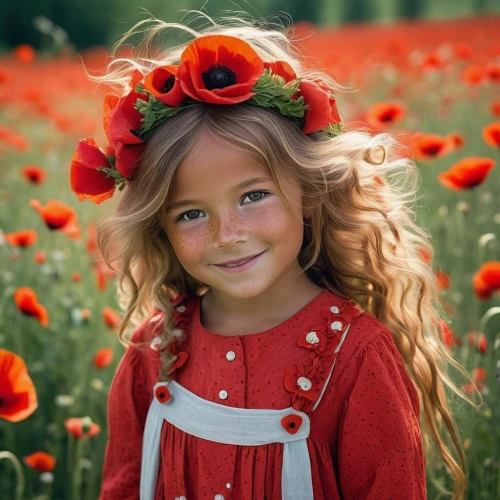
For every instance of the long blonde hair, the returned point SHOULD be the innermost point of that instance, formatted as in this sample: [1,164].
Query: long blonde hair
[361,241]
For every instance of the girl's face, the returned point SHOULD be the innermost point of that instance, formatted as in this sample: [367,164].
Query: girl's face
[225,206]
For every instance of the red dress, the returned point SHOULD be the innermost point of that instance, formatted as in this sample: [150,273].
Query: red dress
[365,440]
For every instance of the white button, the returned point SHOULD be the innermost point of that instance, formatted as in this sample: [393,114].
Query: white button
[312,338]
[223,394]
[304,383]
[334,309]
[336,325]
[230,355]
[219,497]
[228,485]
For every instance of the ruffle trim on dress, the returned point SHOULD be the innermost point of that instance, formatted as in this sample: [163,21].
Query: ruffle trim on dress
[181,315]
[305,381]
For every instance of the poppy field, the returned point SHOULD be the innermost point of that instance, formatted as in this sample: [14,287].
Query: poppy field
[434,85]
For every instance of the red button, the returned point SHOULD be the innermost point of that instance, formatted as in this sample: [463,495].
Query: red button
[291,423]
[163,394]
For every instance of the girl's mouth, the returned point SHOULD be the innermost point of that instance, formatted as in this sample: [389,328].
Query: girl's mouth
[242,266]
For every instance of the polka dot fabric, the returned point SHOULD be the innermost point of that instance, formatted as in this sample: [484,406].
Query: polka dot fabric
[365,440]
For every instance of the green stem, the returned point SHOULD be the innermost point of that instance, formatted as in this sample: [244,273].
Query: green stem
[19,472]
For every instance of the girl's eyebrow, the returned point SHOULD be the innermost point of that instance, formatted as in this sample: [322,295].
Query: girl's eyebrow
[231,190]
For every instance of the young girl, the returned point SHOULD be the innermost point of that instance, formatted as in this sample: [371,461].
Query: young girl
[285,321]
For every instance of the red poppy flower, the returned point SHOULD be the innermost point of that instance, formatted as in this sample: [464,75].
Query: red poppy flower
[86,180]
[479,374]
[56,215]
[24,238]
[495,108]
[463,51]
[491,134]
[135,78]
[34,174]
[40,257]
[163,394]
[442,280]
[425,255]
[487,279]
[482,343]
[162,84]
[322,106]
[219,69]
[24,53]
[40,461]
[81,427]
[385,114]
[18,399]
[449,339]
[467,173]
[431,146]
[281,68]
[291,423]
[492,71]
[473,75]
[457,139]
[76,276]
[111,318]
[27,302]
[103,357]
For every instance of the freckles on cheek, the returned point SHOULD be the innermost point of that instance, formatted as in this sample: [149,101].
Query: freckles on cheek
[187,249]
[278,225]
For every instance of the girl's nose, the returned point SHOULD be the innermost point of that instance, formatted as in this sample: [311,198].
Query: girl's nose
[227,229]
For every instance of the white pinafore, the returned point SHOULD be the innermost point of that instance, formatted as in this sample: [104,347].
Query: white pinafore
[224,424]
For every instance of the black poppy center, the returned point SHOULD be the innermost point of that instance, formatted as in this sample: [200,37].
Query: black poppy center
[167,86]
[162,394]
[291,425]
[218,77]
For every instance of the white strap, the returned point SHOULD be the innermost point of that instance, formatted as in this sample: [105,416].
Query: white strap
[229,425]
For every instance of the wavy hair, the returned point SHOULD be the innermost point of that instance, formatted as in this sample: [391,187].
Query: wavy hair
[360,242]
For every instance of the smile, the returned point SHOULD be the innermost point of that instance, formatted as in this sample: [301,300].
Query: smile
[243,266]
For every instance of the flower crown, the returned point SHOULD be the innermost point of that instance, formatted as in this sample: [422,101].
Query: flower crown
[215,69]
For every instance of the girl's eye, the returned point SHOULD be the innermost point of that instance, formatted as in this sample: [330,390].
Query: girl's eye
[264,193]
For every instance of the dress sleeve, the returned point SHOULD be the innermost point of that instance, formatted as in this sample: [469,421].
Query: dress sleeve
[128,404]
[380,443]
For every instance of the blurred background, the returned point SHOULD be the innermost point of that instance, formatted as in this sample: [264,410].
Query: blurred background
[426,71]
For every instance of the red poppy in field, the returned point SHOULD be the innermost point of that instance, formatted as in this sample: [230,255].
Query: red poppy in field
[491,134]
[24,238]
[81,427]
[162,84]
[18,399]
[76,277]
[58,217]
[103,357]
[473,75]
[463,50]
[24,53]
[493,72]
[467,173]
[219,69]
[442,280]
[449,338]
[322,106]
[14,139]
[487,280]
[111,318]
[457,139]
[385,114]
[482,343]
[495,108]
[41,461]
[27,302]
[478,377]
[34,174]
[425,255]
[86,181]
[432,61]
[431,146]
[40,256]
[103,272]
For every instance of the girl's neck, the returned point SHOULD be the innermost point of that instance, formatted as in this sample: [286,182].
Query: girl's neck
[225,314]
